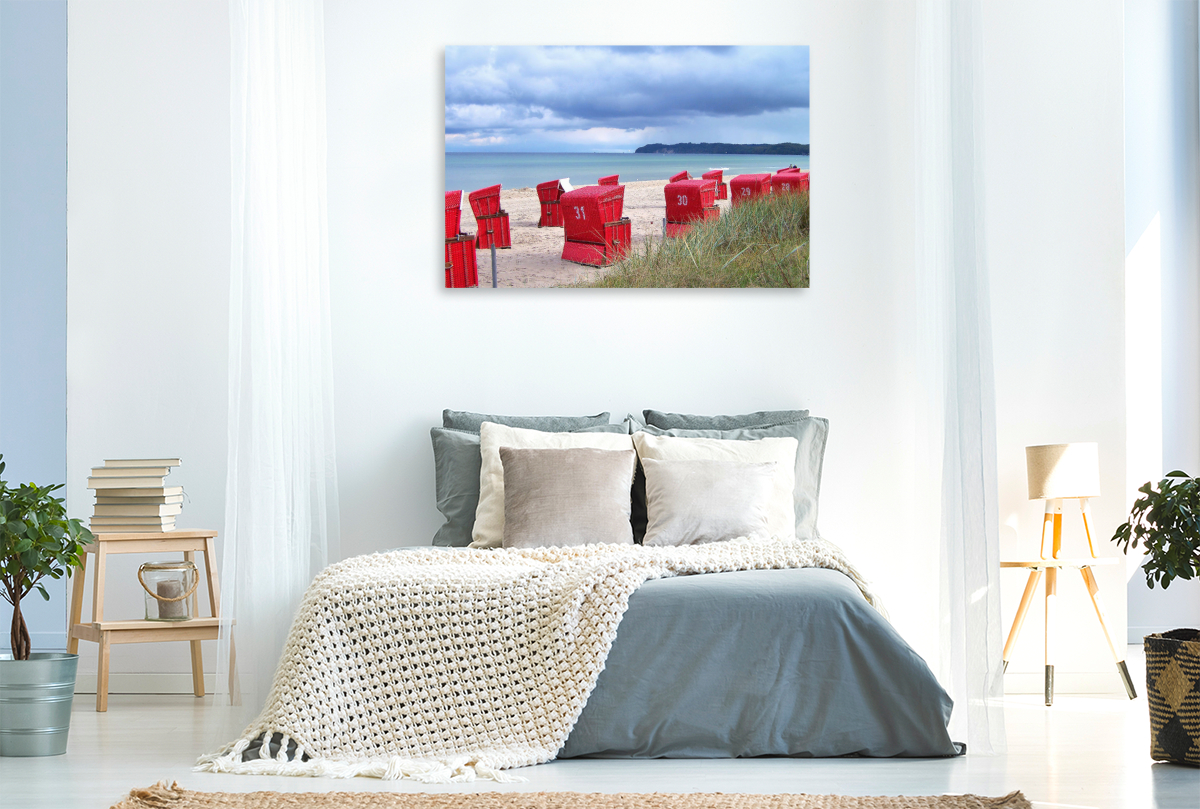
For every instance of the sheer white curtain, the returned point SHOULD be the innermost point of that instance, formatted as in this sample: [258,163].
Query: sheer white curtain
[957,428]
[281,508]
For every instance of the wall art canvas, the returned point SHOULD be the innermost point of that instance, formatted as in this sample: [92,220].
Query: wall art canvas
[627,166]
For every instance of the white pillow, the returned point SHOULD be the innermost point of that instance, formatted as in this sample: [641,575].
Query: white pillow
[781,516]
[690,502]
[489,514]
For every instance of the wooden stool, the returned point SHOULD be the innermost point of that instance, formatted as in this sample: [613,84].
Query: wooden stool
[106,633]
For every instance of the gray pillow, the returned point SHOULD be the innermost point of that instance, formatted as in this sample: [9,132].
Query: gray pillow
[685,421]
[695,501]
[564,497]
[811,433]
[456,464]
[463,420]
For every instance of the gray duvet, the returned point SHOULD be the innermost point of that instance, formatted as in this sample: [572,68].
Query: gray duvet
[760,663]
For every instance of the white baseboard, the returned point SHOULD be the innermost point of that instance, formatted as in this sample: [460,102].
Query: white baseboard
[1066,682]
[144,683]
[1136,633]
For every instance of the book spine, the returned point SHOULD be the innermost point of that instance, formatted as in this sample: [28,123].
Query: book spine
[133,510]
[125,483]
[130,472]
[104,499]
[141,491]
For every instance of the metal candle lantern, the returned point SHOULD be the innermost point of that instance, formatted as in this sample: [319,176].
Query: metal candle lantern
[169,587]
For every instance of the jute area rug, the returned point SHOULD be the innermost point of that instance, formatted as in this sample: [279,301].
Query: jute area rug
[162,796]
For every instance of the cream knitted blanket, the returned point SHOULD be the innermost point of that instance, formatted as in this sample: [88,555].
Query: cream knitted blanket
[447,666]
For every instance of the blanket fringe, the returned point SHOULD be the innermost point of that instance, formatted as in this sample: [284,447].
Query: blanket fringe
[457,769]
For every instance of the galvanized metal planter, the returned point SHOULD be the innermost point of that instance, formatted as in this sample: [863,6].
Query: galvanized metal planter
[35,703]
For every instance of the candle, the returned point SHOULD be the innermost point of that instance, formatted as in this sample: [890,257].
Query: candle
[171,610]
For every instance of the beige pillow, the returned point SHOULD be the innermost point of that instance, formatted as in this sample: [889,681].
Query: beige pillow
[690,502]
[489,514]
[566,496]
[781,515]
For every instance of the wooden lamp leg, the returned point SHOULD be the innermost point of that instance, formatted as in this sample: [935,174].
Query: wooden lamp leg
[1035,576]
[1086,511]
[1051,605]
[1048,517]
[1093,588]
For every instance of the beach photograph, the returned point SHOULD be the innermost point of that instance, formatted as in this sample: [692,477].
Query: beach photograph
[673,166]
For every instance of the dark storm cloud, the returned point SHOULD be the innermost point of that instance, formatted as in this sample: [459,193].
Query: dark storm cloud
[510,89]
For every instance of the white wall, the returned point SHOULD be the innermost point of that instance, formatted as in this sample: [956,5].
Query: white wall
[144,93]
[148,248]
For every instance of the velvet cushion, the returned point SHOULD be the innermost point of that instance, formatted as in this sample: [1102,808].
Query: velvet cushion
[488,531]
[566,496]
[695,501]
[456,463]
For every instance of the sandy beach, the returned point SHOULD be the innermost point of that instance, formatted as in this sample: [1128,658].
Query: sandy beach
[534,260]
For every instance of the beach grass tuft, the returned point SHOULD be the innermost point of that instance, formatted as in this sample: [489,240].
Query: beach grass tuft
[760,243]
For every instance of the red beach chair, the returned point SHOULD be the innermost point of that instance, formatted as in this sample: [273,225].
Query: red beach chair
[548,196]
[789,181]
[717,175]
[492,219]
[461,269]
[747,186]
[683,175]
[453,213]
[609,180]
[594,230]
[690,201]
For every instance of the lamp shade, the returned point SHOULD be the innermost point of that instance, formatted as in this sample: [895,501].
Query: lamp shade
[1063,470]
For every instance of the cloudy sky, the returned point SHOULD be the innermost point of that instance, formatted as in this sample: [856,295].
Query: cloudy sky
[592,99]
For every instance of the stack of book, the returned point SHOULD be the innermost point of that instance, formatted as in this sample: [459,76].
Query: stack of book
[132,496]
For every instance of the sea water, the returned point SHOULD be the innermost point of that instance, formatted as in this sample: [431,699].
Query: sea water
[467,171]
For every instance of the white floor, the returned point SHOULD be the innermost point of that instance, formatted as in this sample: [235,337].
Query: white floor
[1082,752]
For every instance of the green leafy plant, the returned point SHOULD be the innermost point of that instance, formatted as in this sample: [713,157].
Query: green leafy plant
[36,540]
[1166,521]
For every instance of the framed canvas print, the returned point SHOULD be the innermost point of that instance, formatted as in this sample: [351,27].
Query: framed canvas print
[627,166]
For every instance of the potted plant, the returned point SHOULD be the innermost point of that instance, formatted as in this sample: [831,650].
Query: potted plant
[1166,522]
[36,688]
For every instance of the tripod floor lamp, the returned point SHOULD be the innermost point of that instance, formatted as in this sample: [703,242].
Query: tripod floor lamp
[1059,472]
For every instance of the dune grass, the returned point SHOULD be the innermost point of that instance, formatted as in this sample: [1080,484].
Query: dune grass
[760,243]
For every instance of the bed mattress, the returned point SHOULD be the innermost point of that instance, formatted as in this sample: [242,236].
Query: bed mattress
[760,663]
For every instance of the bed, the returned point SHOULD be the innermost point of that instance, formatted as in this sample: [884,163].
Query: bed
[449,664]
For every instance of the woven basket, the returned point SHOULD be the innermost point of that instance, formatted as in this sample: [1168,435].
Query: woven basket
[1173,692]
